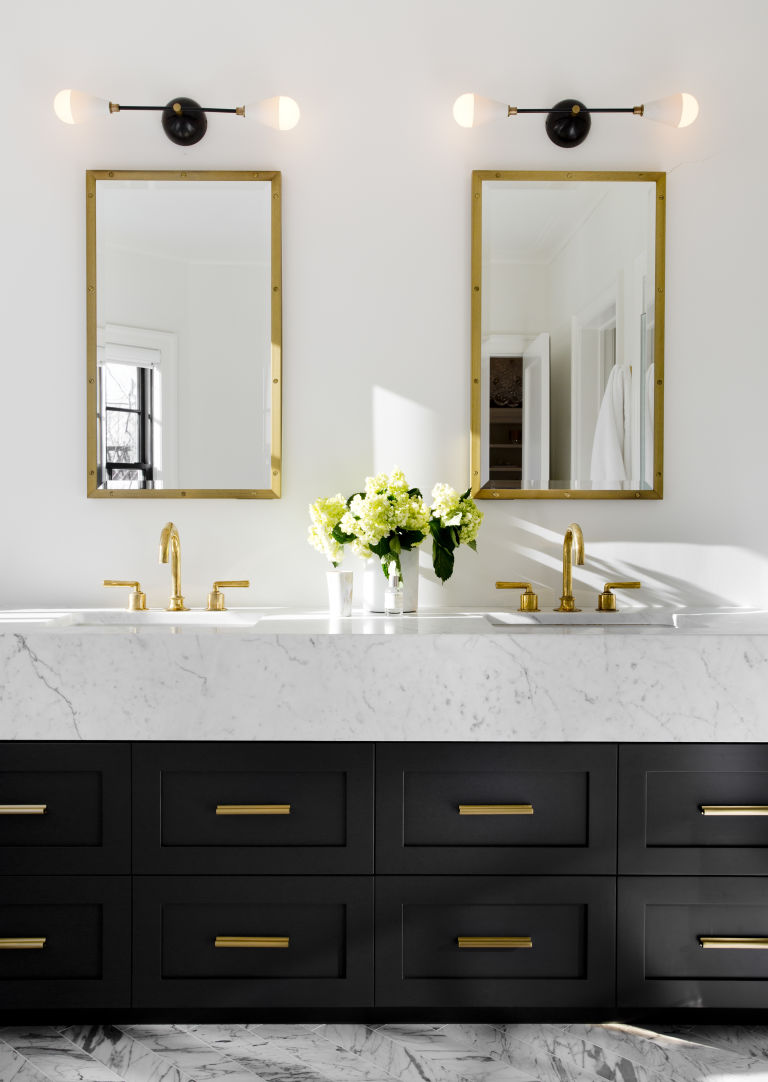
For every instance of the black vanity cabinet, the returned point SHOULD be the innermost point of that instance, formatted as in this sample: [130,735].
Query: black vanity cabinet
[377,882]
[693,876]
[65,887]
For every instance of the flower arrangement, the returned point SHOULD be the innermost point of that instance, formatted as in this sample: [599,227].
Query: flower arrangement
[388,517]
[454,520]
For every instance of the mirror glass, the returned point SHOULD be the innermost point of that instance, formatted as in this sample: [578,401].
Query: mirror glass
[184,326]
[567,334]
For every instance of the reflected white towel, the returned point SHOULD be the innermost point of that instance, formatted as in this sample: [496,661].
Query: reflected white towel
[648,401]
[610,449]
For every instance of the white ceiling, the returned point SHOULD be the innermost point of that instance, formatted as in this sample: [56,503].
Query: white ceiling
[194,221]
[529,222]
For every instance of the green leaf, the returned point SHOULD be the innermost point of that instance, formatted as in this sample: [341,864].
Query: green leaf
[351,498]
[442,561]
[472,545]
[381,548]
[415,492]
[453,531]
[343,538]
[465,494]
[394,544]
[409,538]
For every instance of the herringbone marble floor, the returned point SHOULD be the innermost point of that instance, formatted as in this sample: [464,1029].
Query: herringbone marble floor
[357,1053]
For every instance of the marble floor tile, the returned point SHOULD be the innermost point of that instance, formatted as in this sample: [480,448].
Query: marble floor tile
[190,1054]
[130,1060]
[14,1068]
[425,1059]
[674,1058]
[54,1056]
[750,1041]
[284,1051]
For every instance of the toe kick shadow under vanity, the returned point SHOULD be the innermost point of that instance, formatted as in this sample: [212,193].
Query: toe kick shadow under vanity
[366,882]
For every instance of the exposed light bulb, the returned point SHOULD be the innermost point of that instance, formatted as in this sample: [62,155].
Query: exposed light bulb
[280,112]
[471,110]
[678,110]
[75,107]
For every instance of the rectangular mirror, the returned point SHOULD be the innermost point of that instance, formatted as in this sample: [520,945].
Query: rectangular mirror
[184,334]
[567,335]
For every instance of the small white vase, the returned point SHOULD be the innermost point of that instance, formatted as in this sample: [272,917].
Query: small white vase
[374,582]
[340,585]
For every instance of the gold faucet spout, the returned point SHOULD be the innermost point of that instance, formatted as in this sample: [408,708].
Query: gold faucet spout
[170,545]
[573,552]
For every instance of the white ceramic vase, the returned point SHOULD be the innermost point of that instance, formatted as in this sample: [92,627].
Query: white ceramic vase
[340,585]
[374,582]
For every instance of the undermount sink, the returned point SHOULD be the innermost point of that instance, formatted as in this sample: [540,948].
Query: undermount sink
[586,618]
[197,618]
[736,622]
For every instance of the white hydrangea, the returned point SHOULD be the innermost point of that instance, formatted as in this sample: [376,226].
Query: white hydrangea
[385,507]
[325,515]
[454,510]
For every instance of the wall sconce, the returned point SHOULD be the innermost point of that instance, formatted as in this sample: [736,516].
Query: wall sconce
[568,122]
[184,121]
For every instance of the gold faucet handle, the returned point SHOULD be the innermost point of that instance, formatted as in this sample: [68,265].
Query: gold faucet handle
[606,602]
[529,601]
[137,599]
[216,597]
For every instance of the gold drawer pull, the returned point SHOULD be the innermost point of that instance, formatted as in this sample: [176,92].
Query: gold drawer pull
[262,941]
[742,943]
[253,809]
[733,809]
[23,809]
[494,942]
[495,809]
[23,943]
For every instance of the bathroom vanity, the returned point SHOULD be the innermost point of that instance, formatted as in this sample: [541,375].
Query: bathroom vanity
[424,817]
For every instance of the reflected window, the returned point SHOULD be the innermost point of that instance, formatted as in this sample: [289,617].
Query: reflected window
[126,420]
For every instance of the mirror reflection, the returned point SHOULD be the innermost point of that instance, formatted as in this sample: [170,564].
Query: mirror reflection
[184,334]
[567,334]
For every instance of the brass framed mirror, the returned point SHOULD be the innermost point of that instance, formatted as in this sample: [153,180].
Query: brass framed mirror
[567,365]
[184,317]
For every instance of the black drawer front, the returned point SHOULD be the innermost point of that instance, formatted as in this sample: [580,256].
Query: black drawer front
[664,923]
[427,930]
[441,808]
[76,935]
[253,808]
[64,808]
[314,941]
[663,789]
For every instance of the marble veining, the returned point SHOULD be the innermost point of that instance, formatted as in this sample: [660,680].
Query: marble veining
[359,1053]
[534,685]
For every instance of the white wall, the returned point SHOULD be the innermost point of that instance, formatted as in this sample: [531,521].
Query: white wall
[376,283]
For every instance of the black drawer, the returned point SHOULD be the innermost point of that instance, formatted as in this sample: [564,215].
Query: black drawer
[65,941]
[302,941]
[430,932]
[64,808]
[253,808]
[496,808]
[663,789]
[674,948]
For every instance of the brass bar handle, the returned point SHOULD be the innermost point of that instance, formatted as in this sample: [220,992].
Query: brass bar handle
[495,809]
[494,942]
[216,597]
[529,601]
[259,941]
[253,809]
[23,809]
[137,599]
[733,809]
[742,943]
[23,943]
[606,602]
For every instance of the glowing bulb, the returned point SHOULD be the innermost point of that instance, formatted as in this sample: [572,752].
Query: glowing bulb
[678,110]
[75,107]
[280,113]
[470,110]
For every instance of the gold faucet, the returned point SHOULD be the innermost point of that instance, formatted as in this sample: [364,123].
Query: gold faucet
[574,538]
[169,541]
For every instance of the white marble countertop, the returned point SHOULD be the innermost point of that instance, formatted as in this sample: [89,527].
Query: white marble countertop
[435,676]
